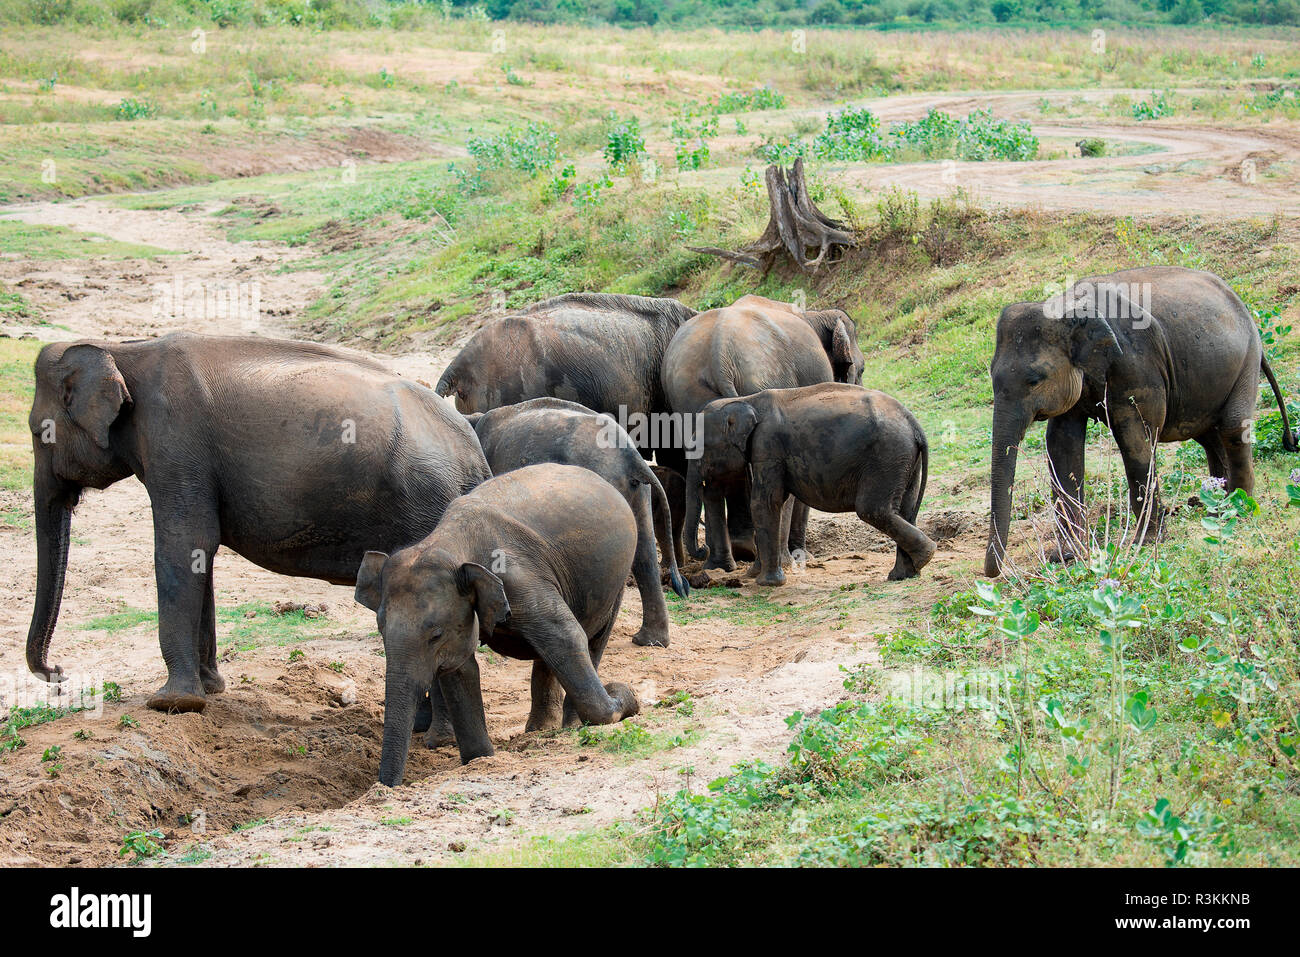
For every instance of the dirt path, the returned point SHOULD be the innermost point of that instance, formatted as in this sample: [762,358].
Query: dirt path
[1183,168]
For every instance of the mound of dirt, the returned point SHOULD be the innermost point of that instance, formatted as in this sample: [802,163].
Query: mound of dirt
[846,534]
[307,739]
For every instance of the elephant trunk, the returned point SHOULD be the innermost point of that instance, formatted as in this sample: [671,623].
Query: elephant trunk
[400,699]
[1009,427]
[691,524]
[53,531]
[663,524]
[447,384]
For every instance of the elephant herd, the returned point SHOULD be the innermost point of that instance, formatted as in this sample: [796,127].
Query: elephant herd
[515,518]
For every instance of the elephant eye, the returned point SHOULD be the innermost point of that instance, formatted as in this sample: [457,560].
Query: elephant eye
[434,635]
[1035,377]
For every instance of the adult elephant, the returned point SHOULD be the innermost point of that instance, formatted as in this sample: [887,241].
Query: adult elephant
[600,350]
[298,457]
[1162,354]
[751,345]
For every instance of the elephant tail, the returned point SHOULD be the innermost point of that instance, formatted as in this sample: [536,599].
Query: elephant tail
[916,487]
[1288,437]
[663,523]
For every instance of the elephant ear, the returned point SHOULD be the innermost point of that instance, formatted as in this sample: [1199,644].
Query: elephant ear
[370,579]
[740,422]
[486,593]
[1090,311]
[94,391]
[841,347]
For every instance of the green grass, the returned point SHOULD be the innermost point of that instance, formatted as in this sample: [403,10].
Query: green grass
[243,627]
[608,847]
[60,242]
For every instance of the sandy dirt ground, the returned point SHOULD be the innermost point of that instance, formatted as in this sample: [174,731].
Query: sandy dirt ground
[281,768]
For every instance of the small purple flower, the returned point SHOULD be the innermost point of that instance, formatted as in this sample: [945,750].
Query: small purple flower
[1214,484]
[1295,476]
[1111,583]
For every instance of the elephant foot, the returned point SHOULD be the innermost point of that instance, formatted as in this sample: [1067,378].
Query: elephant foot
[923,559]
[772,578]
[213,683]
[724,565]
[625,698]
[439,738]
[651,636]
[176,697]
[1061,555]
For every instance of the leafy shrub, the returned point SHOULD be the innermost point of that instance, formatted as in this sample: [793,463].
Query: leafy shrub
[852,135]
[530,148]
[1154,108]
[1091,147]
[989,829]
[623,142]
[133,109]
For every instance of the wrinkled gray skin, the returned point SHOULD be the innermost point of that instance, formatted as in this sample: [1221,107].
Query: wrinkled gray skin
[553,430]
[242,443]
[1187,370]
[752,345]
[834,447]
[600,350]
[532,564]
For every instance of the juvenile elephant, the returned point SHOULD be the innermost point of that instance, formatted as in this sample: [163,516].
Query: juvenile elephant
[834,447]
[1161,354]
[600,350]
[553,430]
[296,456]
[531,563]
[752,345]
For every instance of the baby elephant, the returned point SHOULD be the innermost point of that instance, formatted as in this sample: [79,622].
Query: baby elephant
[531,564]
[834,447]
[554,430]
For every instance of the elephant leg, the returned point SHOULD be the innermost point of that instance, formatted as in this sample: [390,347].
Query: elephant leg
[573,658]
[433,718]
[186,537]
[1135,437]
[1216,459]
[1237,449]
[213,683]
[740,523]
[464,697]
[768,506]
[715,530]
[880,510]
[798,540]
[548,700]
[791,505]
[1066,437]
[645,571]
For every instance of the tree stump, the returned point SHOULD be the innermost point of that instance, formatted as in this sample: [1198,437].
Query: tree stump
[796,228]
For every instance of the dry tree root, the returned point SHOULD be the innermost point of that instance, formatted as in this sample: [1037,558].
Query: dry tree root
[796,228]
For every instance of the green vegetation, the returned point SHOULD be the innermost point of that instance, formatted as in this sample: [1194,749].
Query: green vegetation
[1132,709]
[142,844]
[59,242]
[351,14]
[244,627]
